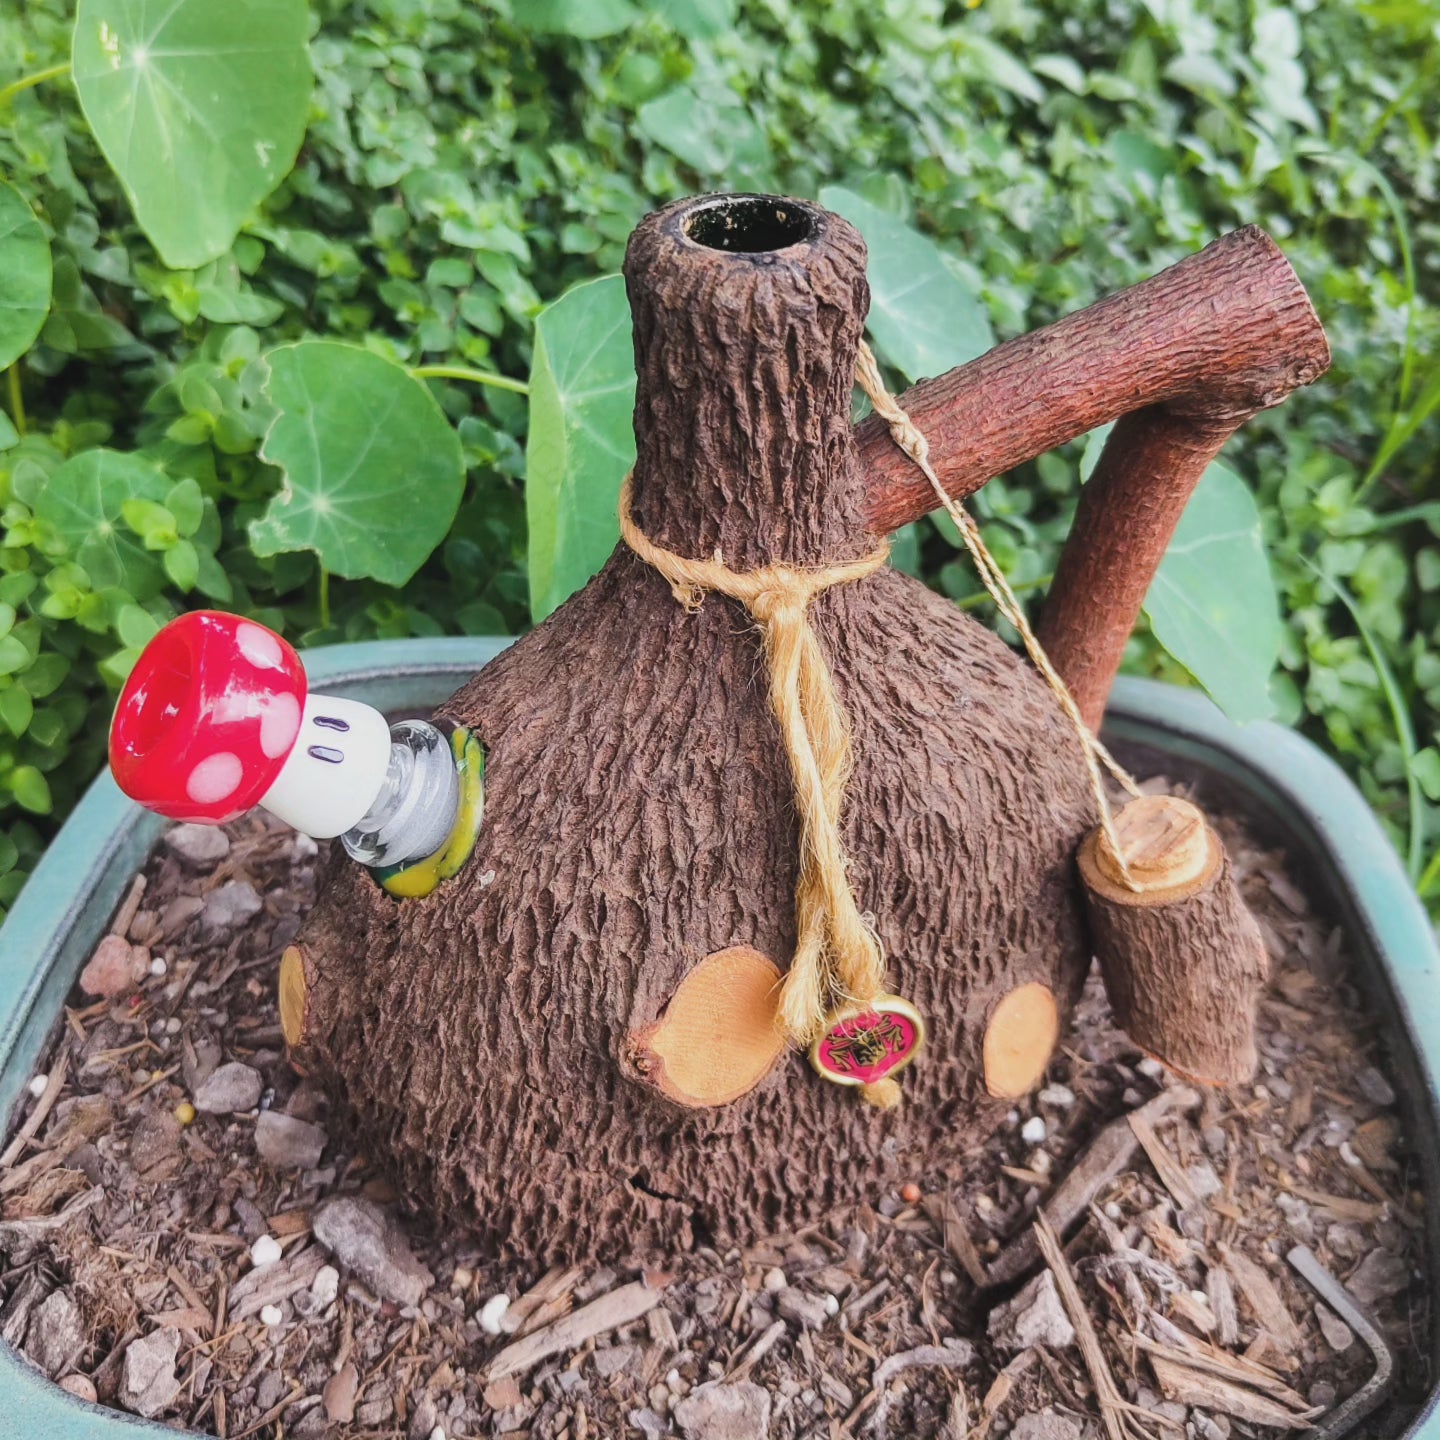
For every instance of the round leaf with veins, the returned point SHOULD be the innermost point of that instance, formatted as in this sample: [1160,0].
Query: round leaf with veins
[24,280]
[373,469]
[200,107]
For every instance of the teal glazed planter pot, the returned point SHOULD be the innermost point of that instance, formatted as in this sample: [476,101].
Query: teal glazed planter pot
[1272,775]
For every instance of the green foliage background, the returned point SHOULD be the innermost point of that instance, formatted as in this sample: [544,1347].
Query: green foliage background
[466,162]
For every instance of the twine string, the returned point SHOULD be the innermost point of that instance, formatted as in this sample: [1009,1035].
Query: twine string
[838,956]
[912,441]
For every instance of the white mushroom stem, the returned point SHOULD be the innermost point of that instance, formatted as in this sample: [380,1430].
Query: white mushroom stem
[336,769]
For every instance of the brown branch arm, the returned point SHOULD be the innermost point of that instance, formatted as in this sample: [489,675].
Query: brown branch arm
[1196,350]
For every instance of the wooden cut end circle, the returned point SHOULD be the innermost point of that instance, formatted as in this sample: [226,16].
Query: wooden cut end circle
[293,991]
[1168,848]
[1019,1041]
[719,1035]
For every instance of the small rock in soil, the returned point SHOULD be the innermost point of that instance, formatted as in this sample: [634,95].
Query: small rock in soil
[286,1142]
[57,1333]
[265,1251]
[230,1088]
[1338,1335]
[115,967]
[198,845]
[717,1411]
[1382,1274]
[82,1387]
[363,1238]
[1374,1087]
[1048,1424]
[1035,1316]
[492,1313]
[325,1286]
[231,905]
[802,1308]
[148,1382]
[338,1396]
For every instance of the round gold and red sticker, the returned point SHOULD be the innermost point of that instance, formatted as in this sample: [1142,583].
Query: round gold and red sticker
[865,1044]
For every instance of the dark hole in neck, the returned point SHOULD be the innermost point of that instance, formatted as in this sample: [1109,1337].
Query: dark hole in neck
[750,225]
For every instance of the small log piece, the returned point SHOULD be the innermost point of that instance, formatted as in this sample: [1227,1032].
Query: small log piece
[1182,957]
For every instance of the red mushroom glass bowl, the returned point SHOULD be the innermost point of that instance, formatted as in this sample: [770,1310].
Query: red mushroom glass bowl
[216,718]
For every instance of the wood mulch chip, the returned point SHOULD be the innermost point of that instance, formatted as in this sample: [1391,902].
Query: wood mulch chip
[1168,1309]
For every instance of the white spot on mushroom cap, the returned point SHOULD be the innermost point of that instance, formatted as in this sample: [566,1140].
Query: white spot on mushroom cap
[214,778]
[259,647]
[279,725]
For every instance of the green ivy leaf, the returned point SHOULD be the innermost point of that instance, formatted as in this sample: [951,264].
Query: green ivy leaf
[13,655]
[200,107]
[584,19]
[24,282]
[84,499]
[582,397]
[373,471]
[16,708]
[30,789]
[924,319]
[45,674]
[1212,603]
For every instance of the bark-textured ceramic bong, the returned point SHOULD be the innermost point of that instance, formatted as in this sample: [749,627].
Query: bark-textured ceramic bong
[570,1045]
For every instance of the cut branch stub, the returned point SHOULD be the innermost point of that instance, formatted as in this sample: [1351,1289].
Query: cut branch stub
[1182,957]
[719,1036]
[1019,1041]
[1188,355]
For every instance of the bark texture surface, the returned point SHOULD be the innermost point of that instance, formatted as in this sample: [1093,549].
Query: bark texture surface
[1183,968]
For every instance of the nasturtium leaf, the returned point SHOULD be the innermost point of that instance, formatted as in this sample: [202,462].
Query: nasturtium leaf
[585,19]
[582,395]
[84,499]
[373,470]
[922,316]
[199,106]
[24,280]
[1212,603]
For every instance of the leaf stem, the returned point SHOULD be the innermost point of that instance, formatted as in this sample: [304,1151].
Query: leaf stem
[28,82]
[1426,883]
[475,377]
[17,398]
[324,598]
